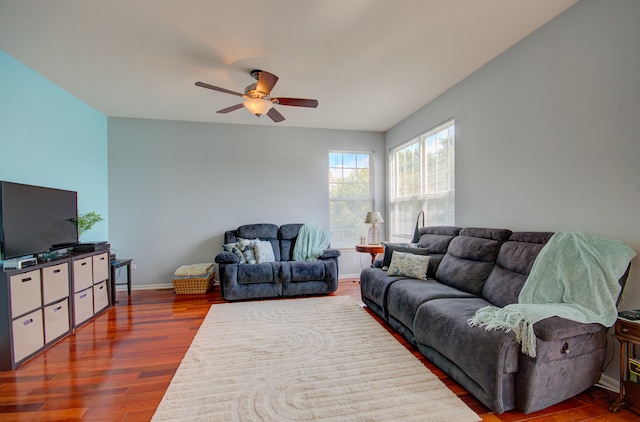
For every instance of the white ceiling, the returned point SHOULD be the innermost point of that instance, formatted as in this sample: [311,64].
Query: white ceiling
[370,63]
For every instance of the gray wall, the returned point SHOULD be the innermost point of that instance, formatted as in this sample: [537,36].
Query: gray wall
[175,187]
[548,133]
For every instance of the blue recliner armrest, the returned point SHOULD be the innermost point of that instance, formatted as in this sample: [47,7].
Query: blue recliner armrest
[329,253]
[227,258]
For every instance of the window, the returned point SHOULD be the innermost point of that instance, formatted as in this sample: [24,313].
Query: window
[350,195]
[422,179]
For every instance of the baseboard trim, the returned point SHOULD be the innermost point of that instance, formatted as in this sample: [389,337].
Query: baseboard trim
[609,383]
[162,286]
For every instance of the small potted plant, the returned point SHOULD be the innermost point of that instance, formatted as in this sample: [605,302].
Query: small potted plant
[87,220]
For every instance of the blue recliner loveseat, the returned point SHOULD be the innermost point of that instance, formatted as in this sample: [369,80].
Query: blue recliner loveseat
[281,275]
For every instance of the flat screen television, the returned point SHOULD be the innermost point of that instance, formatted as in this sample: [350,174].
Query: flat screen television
[36,219]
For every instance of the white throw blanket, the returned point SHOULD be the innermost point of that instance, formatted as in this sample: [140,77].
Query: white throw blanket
[574,276]
[311,241]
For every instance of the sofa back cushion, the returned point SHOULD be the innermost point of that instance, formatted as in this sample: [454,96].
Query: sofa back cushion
[288,234]
[470,258]
[512,267]
[268,232]
[436,240]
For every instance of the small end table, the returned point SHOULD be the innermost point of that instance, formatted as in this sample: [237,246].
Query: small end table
[628,334]
[372,250]
[115,264]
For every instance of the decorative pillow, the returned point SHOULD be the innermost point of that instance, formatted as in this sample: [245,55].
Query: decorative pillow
[409,265]
[389,248]
[264,251]
[246,246]
[237,251]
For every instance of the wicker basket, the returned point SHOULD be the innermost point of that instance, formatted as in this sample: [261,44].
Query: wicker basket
[192,285]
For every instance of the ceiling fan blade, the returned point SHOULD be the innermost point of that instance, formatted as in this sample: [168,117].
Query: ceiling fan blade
[266,82]
[297,102]
[275,115]
[216,88]
[230,109]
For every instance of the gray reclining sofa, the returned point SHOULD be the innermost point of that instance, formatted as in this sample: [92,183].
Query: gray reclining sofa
[281,277]
[469,269]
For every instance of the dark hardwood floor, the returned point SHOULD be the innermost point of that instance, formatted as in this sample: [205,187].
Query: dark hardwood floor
[117,367]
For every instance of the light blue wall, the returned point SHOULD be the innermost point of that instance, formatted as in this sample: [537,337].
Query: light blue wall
[50,138]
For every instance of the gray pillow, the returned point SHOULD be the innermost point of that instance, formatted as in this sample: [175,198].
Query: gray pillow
[400,247]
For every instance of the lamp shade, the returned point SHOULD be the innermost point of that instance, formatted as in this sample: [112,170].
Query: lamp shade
[373,217]
[257,106]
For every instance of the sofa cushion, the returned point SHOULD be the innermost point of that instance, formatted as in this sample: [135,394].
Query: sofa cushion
[258,273]
[409,265]
[287,235]
[512,267]
[405,296]
[263,232]
[470,258]
[307,270]
[436,240]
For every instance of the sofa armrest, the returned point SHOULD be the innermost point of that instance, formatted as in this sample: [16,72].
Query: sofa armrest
[556,328]
[329,254]
[227,258]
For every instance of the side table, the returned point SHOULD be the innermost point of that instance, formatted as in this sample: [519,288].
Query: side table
[628,333]
[372,250]
[115,264]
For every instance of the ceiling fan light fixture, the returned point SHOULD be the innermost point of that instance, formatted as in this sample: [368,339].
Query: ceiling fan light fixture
[257,106]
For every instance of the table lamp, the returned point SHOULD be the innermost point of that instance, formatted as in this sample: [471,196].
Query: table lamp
[372,218]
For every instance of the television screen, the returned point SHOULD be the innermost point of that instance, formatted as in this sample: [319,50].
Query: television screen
[35,219]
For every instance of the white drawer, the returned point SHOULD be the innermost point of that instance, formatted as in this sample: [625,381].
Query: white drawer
[56,320]
[55,283]
[25,292]
[100,267]
[27,335]
[100,296]
[83,306]
[82,274]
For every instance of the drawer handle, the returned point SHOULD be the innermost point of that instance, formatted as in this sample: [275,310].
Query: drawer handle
[24,280]
[625,330]
[84,263]
[57,309]
[102,258]
[27,322]
[101,287]
[56,271]
[83,296]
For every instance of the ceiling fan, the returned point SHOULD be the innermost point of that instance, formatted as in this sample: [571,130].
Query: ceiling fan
[258,99]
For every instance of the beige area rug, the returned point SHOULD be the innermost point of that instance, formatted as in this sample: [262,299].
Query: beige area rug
[307,359]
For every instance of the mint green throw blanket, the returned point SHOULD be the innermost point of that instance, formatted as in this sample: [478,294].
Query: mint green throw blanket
[311,241]
[574,276]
